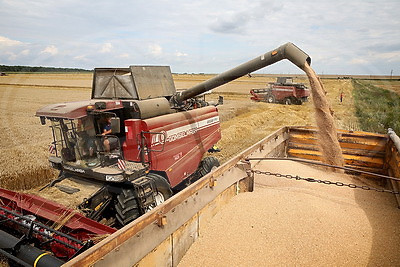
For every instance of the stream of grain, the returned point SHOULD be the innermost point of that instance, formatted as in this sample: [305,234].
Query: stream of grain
[327,134]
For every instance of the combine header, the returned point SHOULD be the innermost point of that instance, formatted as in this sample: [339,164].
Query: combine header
[27,217]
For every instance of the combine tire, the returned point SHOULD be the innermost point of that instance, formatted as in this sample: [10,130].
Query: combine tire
[207,165]
[163,188]
[270,99]
[288,101]
[127,207]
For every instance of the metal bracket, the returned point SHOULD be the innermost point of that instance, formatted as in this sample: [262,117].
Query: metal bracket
[245,166]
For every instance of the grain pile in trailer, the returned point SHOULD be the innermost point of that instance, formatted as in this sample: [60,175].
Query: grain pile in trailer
[288,222]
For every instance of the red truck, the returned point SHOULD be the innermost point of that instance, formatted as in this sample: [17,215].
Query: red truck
[282,91]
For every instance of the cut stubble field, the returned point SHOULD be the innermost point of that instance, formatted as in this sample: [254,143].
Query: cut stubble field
[24,142]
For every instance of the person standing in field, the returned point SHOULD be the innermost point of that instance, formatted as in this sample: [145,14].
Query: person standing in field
[341,96]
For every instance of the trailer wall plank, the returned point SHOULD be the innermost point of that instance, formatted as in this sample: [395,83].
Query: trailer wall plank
[183,238]
[160,256]
[361,150]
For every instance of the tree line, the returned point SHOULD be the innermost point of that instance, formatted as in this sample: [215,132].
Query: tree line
[5,68]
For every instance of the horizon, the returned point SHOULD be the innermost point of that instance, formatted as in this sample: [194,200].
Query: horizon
[322,76]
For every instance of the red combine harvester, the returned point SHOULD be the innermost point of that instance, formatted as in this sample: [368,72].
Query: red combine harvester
[133,144]
[158,147]
[282,91]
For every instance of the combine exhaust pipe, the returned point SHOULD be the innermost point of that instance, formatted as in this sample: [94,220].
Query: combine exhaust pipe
[287,51]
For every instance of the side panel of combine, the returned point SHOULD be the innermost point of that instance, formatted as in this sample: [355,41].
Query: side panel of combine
[185,137]
[282,92]
[175,142]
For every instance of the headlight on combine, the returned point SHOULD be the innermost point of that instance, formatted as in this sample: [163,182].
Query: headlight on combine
[115,178]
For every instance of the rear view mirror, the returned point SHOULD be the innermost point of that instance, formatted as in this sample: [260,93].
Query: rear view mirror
[42,120]
[115,125]
[220,100]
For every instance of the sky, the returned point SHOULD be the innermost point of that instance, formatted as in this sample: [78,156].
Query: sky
[342,37]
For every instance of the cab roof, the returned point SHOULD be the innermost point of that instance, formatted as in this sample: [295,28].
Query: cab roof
[76,110]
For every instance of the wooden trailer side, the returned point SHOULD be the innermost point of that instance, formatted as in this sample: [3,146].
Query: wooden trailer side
[392,163]
[361,150]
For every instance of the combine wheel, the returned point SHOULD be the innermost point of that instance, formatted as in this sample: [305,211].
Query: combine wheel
[163,188]
[127,207]
[207,165]
[288,101]
[270,98]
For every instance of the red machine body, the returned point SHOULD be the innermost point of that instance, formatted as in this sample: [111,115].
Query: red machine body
[175,142]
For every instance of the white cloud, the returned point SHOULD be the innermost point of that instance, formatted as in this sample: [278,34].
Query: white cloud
[358,61]
[4,41]
[155,49]
[81,58]
[390,56]
[51,49]
[25,52]
[106,48]
[125,55]
[180,54]
[11,56]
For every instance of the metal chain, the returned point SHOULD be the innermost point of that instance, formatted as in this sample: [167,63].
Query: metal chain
[327,182]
